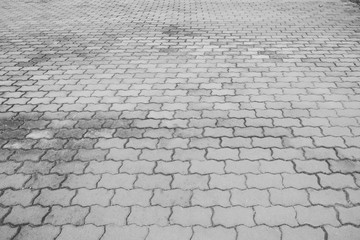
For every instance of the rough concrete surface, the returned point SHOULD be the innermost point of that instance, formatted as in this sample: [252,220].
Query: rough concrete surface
[179,120]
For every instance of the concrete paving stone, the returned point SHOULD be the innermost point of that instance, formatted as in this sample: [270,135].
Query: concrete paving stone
[314,166]
[168,198]
[352,141]
[277,132]
[132,167]
[306,131]
[240,167]
[131,232]
[144,216]
[316,216]
[173,143]
[190,216]
[236,142]
[343,232]
[276,166]
[172,167]
[248,132]
[123,154]
[159,133]
[27,155]
[26,215]
[67,133]
[142,143]
[40,232]
[208,198]
[15,181]
[307,181]
[357,178]
[83,143]
[222,154]
[99,215]
[155,155]
[255,153]
[351,153]
[275,216]
[82,181]
[4,211]
[86,197]
[231,122]
[227,181]
[40,134]
[125,133]
[320,153]
[59,215]
[132,197]
[39,181]
[203,143]
[9,167]
[75,167]
[345,166]
[289,197]
[336,180]
[298,233]
[354,195]
[179,122]
[264,181]
[327,197]
[207,167]
[249,197]
[187,133]
[258,233]
[20,144]
[218,132]
[267,142]
[175,123]
[298,142]
[201,233]
[91,154]
[192,181]
[23,197]
[153,181]
[233,216]
[95,167]
[349,215]
[88,232]
[201,123]
[7,232]
[104,143]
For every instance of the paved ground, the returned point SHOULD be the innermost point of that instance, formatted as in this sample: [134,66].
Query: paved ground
[179,119]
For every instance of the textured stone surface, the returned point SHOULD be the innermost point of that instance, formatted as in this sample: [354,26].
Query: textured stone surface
[179,119]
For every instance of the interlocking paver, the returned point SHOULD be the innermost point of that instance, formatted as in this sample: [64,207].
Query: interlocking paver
[190,216]
[169,233]
[26,215]
[316,215]
[344,232]
[60,215]
[250,197]
[107,215]
[258,233]
[201,233]
[7,232]
[298,233]
[83,232]
[144,216]
[191,119]
[41,232]
[23,197]
[131,232]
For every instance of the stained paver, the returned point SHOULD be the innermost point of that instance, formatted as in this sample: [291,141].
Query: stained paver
[179,119]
